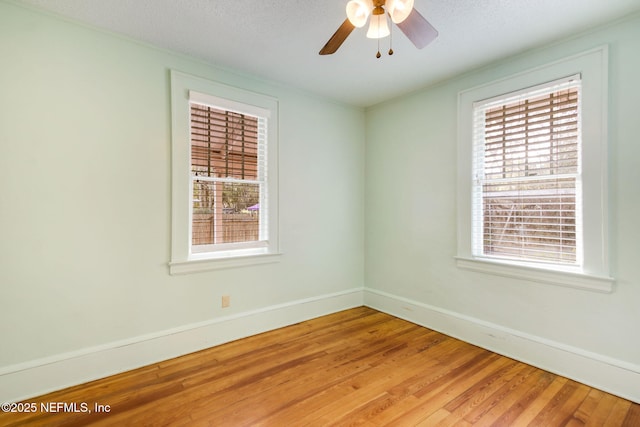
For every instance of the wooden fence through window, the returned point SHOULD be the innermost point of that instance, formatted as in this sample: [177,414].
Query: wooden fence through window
[236,227]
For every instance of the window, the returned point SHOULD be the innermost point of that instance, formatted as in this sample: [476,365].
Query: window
[228,178]
[532,188]
[526,187]
[224,155]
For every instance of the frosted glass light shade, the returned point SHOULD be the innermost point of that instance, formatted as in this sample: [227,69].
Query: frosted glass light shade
[399,10]
[358,11]
[378,27]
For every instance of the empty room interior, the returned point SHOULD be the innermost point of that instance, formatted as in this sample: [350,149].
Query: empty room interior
[427,183]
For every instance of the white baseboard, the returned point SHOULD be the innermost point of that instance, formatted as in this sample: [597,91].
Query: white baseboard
[37,377]
[611,375]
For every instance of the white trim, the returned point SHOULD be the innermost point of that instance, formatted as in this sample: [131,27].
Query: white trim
[593,67]
[25,380]
[222,250]
[224,260]
[558,277]
[228,104]
[37,377]
[529,92]
[603,372]
[184,86]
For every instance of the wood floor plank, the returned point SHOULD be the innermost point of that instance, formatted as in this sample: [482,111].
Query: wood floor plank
[500,390]
[365,387]
[532,411]
[434,418]
[307,402]
[433,394]
[553,407]
[542,381]
[414,361]
[589,404]
[602,411]
[633,416]
[564,414]
[376,383]
[376,346]
[479,390]
[505,397]
[358,367]
[618,413]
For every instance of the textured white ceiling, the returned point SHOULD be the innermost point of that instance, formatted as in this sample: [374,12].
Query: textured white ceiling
[279,40]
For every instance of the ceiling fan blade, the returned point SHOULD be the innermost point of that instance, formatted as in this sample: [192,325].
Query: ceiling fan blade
[418,30]
[337,38]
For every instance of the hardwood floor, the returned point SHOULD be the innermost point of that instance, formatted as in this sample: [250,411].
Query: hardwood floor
[356,367]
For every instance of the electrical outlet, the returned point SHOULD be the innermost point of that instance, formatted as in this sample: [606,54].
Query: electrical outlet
[226,301]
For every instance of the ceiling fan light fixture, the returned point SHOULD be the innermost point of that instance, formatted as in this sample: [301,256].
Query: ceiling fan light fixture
[399,10]
[358,11]
[378,27]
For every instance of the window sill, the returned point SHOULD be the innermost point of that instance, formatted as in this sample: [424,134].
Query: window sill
[570,279]
[218,262]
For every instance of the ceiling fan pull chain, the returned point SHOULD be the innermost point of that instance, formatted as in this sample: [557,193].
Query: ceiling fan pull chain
[378,54]
[390,40]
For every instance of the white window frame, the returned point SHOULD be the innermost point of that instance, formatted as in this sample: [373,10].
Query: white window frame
[185,89]
[593,274]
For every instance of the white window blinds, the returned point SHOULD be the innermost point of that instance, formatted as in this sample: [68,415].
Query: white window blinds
[526,169]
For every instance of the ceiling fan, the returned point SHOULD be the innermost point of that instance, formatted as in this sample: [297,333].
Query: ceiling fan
[401,12]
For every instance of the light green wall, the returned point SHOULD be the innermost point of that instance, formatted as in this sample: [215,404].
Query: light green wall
[85,193]
[410,201]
